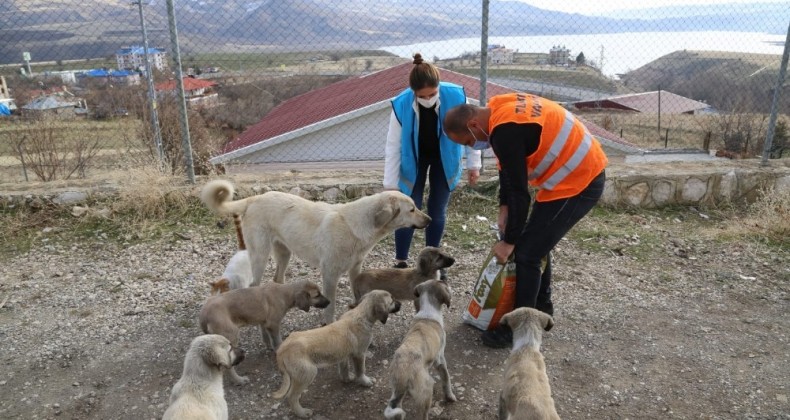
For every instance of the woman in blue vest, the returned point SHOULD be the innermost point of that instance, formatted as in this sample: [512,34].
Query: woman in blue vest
[418,150]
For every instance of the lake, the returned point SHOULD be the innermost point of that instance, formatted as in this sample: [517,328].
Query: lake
[621,51]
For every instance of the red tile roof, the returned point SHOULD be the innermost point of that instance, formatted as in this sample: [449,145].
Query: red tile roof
[355,93]
[343,97]
[190,83]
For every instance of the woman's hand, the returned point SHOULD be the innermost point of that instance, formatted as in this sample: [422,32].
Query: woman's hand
[474,175]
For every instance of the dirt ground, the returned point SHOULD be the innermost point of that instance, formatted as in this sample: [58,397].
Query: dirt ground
[659,314]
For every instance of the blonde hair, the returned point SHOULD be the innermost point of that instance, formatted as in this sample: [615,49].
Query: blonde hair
[423,74]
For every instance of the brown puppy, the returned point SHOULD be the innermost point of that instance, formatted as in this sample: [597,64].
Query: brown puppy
[261,305]
[401,282]
[421,349]
[303,352]
[526,393]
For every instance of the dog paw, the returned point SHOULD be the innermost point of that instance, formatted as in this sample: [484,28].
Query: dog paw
[366,381]
[450,397]
[304,413]
[241,380]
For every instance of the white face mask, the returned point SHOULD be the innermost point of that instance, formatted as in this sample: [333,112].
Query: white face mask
[430,102]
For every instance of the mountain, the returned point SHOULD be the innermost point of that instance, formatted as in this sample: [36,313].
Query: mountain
[74,29]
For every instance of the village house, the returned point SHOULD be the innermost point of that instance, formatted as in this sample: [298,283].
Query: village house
[133,58]
[114,77]
[61,104]
[198,92]
[347,121]
[559,55]
[498,54]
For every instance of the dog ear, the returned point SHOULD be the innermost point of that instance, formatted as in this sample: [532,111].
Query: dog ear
[548,322]
[505,319]
[381,311]
[220,286]
[425,261]
[418,290]
[302,300]
[388,212]
[215,354]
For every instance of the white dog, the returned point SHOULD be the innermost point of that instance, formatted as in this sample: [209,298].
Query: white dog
[199,393]
[332,237]
[238,273]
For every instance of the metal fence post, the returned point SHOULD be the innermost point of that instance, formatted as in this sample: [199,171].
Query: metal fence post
[186,143]
[155,130]
[484,54]
[483,64]
[769,136]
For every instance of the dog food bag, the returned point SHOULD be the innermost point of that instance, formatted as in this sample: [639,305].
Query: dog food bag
[494,294]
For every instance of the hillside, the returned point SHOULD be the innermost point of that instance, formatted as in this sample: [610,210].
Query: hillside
[74,29]
[728,81]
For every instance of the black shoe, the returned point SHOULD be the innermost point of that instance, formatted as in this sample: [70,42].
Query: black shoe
[500,337]
[443,274]
[401,264]
[545,307]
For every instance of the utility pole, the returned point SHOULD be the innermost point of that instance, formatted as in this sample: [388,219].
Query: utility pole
[186,143]
[769,136]
[155,131]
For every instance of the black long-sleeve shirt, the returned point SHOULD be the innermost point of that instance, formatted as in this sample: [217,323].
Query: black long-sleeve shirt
[512,144]
[428,132]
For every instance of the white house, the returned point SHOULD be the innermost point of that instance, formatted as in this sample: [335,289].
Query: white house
[133,58]
[348,121]
[498,54]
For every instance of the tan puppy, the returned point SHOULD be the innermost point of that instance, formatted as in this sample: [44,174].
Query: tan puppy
[303,352]
[526,393]
[334,238]
[199,393]
[400,282]
[421,349]
[264,305]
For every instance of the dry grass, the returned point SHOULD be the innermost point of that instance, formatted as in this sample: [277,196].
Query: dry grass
[148,194]
[770,216]
[686,131]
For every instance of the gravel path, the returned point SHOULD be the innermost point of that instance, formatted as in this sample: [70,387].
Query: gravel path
[657,317]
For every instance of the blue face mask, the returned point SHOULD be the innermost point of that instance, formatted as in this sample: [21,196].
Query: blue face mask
[479,144]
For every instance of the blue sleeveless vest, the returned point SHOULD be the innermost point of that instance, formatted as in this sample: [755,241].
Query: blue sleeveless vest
[450,95]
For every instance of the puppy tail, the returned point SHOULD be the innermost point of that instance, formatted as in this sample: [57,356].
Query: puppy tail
[286,386]
[393,411]
[239,234]
[217,196]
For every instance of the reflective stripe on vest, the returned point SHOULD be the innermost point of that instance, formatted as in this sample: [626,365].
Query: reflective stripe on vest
[575,160]
[556,147]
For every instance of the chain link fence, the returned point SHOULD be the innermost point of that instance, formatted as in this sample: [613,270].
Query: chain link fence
[274,84]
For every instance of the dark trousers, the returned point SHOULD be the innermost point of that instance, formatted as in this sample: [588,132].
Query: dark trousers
[438,197]
[548,222]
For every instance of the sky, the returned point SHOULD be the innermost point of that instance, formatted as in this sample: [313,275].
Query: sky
[593,7]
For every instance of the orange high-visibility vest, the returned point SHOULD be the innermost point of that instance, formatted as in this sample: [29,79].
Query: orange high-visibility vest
[568,157]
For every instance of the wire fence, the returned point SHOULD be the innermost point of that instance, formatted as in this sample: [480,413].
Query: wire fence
[273,84]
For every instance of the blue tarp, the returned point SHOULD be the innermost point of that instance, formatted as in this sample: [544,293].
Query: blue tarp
[4,110]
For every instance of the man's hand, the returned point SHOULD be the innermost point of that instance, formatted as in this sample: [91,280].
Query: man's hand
[502,251]
[474,175]
[501,221]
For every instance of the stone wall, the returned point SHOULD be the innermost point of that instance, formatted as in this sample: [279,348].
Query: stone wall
[647,185]
[705,185]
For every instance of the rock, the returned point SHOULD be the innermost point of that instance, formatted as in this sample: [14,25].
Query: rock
[70,197]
